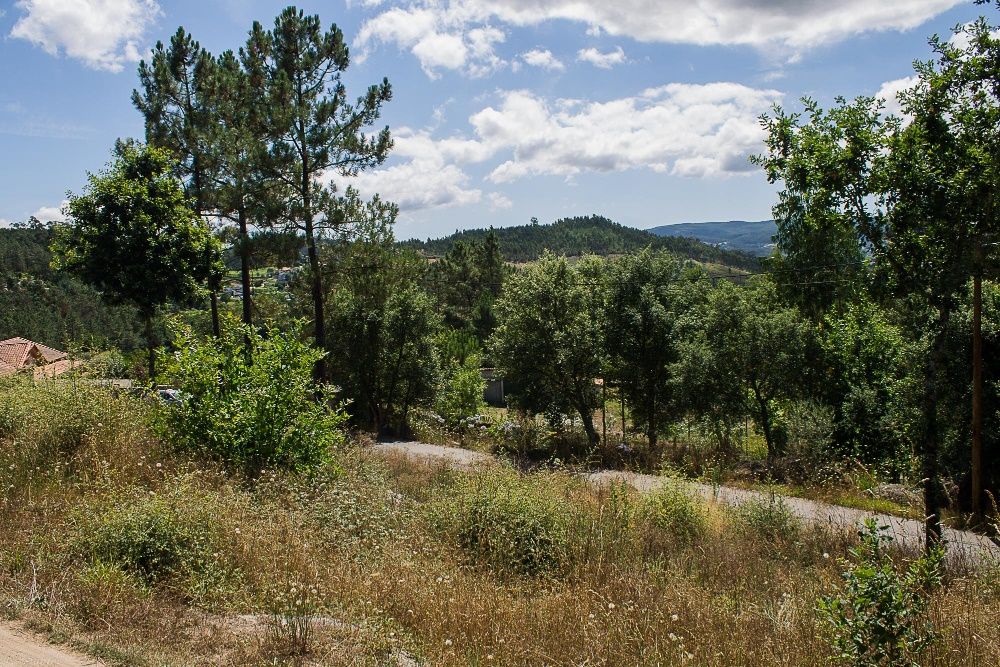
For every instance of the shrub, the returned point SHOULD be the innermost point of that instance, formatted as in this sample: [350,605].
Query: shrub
[879,617]
[511,523]
[771,519]
[252,407]
[55,421]
[157,537]
[675,509]
[460,393]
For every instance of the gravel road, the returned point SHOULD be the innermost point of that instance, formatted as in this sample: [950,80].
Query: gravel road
[963,546]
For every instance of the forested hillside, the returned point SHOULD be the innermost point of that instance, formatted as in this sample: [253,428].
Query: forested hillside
[53,308]
[751,237]
[582,235]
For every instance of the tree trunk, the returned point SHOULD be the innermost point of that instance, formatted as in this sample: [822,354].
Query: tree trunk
[588,426]
[151,350]
[930,463]
[319,370]
[977,389]
[216,329]
[765,423]
[241,219]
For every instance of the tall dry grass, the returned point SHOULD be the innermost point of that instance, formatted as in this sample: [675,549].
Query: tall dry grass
[141,556]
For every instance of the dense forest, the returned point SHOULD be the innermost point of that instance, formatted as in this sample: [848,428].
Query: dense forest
[583,235]
[51,307]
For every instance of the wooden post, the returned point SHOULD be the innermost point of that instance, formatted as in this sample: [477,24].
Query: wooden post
[604,410]
[977,386]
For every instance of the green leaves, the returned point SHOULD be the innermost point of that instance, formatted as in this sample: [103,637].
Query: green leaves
[879,617]
[133,235]
[251,415]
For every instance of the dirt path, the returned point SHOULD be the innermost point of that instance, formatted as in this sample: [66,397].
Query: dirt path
[19,648]
[963,546]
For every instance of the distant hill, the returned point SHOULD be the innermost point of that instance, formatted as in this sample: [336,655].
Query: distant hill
[586,234]
[751,237]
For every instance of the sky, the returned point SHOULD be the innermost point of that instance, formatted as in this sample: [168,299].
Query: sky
[644,111]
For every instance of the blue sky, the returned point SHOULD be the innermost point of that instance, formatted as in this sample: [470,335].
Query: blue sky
[640,110]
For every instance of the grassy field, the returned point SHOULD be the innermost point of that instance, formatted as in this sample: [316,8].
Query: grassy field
[138,555]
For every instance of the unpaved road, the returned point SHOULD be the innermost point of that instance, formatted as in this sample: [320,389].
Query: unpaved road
[19,648]
[963,546]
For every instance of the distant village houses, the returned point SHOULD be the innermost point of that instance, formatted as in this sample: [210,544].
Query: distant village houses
[22,355]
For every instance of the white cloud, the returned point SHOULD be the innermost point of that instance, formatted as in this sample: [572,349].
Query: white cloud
[889,91]
[602,60]
[787,27]
[689,130]
[542,58]
[438,41]
[682,129]
[499,202]
[51,213]
[428,178]
[104,34]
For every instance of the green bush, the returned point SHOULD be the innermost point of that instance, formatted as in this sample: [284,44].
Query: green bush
[252,407]
[171,536]
[879,617]
[771,519]
[675,509]
[512,523]
[460,393]
[53,422]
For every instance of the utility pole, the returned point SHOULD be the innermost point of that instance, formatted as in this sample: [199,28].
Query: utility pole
[977,384]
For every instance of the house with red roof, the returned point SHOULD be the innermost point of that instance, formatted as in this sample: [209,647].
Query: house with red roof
[21,354]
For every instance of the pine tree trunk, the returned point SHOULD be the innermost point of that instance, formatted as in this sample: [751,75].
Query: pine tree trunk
[151,350]
[977,390]
[216,329]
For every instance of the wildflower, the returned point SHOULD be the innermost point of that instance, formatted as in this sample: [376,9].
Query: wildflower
[590,616]
[826,555]
[672,637]
[238,532]
[611,605]
[447,642]
[673,617]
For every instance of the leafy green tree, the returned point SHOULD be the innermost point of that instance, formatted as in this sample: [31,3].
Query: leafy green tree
[134,237]
[460,392]
[869,383]
[549,340]
[178,119]
[314,128]
[382,353]
[744,352]
[645,299]
[254,415]
[819,261]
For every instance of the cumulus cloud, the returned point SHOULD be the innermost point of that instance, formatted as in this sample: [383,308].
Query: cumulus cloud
[682,129]
[499,202]
[599,59]
[51,213]
[438,40]
[428,177]
[691,130]
[103,34]
[542,58]
[889,91]
[788,26]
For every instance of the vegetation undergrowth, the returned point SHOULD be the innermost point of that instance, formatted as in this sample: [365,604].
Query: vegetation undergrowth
[145,554]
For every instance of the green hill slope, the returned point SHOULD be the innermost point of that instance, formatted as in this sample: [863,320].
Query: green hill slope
[741,235]
[586,234]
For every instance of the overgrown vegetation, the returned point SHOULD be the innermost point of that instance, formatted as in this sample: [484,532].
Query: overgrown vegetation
[110,532]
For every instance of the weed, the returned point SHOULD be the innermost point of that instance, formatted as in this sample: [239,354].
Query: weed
[879,617]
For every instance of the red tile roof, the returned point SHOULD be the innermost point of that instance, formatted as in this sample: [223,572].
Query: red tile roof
[20,353]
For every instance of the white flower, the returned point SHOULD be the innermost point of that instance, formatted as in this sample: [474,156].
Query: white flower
[447,642]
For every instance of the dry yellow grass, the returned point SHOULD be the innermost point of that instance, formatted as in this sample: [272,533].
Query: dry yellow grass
[354,565]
